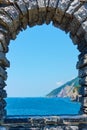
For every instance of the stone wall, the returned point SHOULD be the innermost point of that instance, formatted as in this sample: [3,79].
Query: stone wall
[68,15]
[45,123]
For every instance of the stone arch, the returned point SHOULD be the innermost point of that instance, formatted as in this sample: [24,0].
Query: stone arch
[68,15]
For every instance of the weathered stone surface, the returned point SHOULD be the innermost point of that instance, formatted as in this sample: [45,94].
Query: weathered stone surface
[82,127]
[23,13]
[3,42]
[82,63]
[1,47]
[3,73]
[83,72]
[47,128]
[60,11]
[84,102]
[2,104]
[83,81]
[79,17]
[3,60]
[68,16]
[2,83]
[52,5]
[81,14]
[11,1]
[3,30]
[2,114]
[74,6]
[65,123]
[3,93]
[7,22]
[74,38]
[42,12]
[14,14]
[83,90]
[82,32]
[82,55]
[33,13]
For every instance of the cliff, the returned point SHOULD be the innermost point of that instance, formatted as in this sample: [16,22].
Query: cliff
[69,89]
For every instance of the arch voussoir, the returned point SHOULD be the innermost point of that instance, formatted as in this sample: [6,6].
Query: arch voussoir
[68,16]
[60,12]
[33,13]
[83,29]
[21,7]
[6,21]
[42,10]
[78,18]
[51,9]
[13,14]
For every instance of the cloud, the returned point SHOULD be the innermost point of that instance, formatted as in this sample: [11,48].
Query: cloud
[59,83]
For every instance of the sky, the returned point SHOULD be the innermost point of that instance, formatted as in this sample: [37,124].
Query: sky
[42,58]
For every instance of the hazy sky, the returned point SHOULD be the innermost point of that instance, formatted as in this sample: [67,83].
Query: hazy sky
[42,58]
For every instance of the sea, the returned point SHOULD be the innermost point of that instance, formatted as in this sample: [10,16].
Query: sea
[41,106]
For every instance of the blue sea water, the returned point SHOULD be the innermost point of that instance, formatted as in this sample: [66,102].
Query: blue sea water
[41,106]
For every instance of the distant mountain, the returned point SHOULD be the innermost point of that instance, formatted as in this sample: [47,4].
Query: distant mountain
[69,89]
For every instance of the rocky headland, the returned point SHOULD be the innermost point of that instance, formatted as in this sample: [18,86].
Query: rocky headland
[69,89]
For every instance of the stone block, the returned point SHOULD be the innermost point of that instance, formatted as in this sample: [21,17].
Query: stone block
[3,60]
[81,32]
[42,12]
[33,13]
[68,16]
[3,93]
[51,9]
[7,22]
[1,47]
[23,13]
[82,55]
[2,83]
[11,1]
[3,30]
[60,10]
[74,26]
[83,126]
[84,27]
[2,86]
[83,90]
[85,112]
[82,35]
[26,3]
[81,63]
[3,114]
[81,14]
[14,14]
[78,17]
[82,72]
[82,46]
[3,73]
[84,101]
[2,104]
[74,39]
[73,7]
[3,43]
[83,81]
[46,3]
